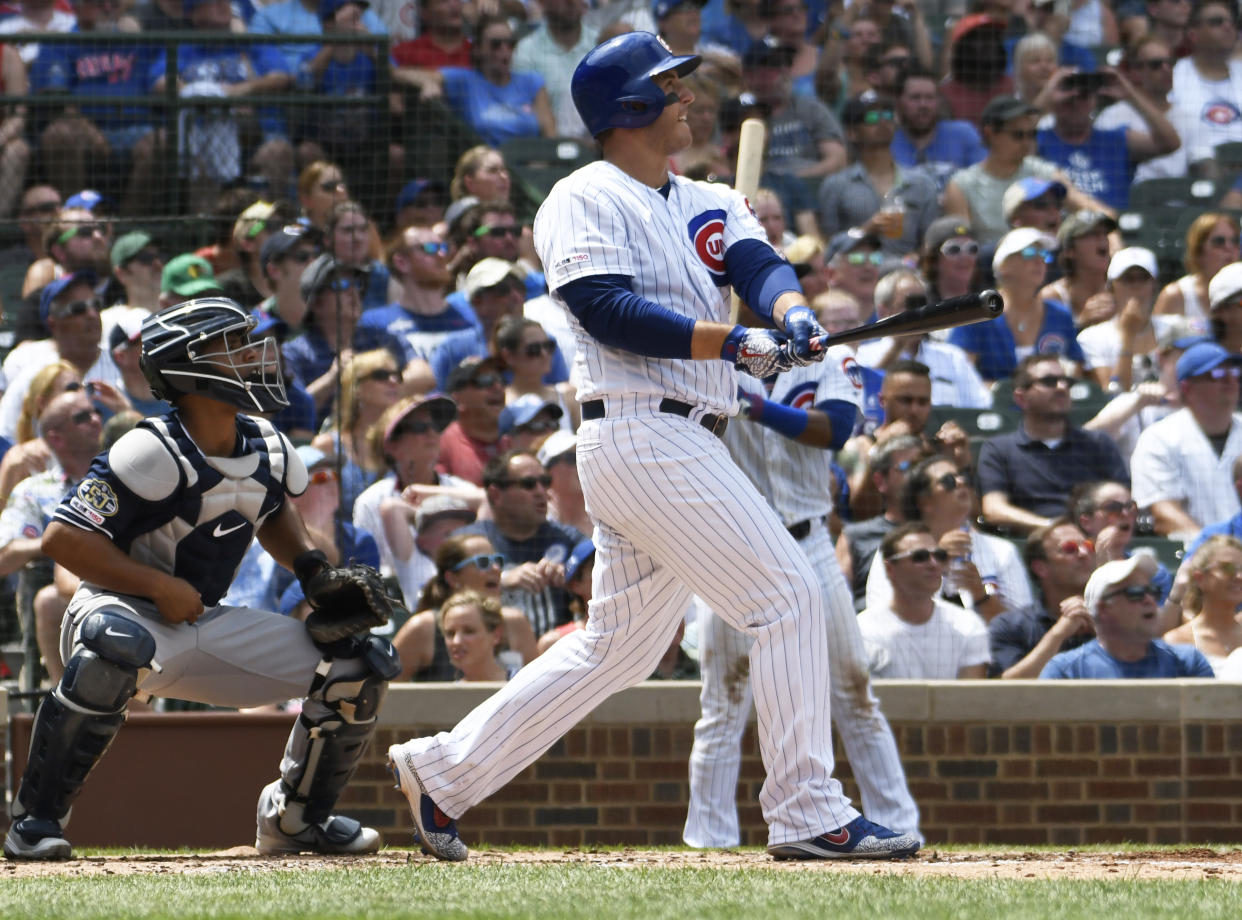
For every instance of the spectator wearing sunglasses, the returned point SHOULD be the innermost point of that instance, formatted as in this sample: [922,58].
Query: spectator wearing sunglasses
[464,561]
[1211,244]
[69,308]
[473,439]
[71,428]
[76,241]
[916,635]
[1030,324]
[894,204]
[283,257]
[528,420]
[489,229]
[137,265]
[1207,84]
[886,467]
[1059,558]
[1122,602]
[1107,514]
[987,573]
[947,260]
[527,352]
[1213,597]
[421,318]
[535,548]
[407,438]
[559,455]
[955,382]
[1182,465]
[1149,65]
[1025,476]
[28,453]
[854,258]
[976,192]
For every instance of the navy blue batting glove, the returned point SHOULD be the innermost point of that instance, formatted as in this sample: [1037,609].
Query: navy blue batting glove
[804,331]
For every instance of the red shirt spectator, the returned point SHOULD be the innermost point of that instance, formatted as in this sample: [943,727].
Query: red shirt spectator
[424,52]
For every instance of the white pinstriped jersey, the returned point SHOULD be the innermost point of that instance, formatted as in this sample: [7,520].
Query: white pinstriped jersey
[794,476]
[1174,461]
[601,221]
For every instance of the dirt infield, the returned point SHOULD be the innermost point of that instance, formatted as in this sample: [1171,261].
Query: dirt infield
[1187,864]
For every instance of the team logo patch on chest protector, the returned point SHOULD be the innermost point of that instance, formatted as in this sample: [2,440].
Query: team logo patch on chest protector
[707,237]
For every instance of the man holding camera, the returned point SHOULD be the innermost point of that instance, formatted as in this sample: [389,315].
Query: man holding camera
[1100,162]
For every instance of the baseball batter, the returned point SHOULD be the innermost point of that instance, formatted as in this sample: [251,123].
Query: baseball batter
[156,530]
[797,415]
[643,263]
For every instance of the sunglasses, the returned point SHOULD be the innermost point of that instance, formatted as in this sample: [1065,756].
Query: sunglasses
[84,416]
[1228,372]
[950,481]
[538,428]
[1215,21]
[1221,241]
[47,207]
[485,230]
[535,349]
[1134,593]
[73,386]
[1019,135]
[77,308]
[80,230]
[1116,507]
[1076,547]
[495,44]
[319,477]
[482,561]
[876,116]
[862,258]
[146,258]
[483,381]
[1155,63]
[432,249]
[920,556]
[331,186]
[1052,381]
[1035,252]
[526,482]
[954,248]
[412,426]
[384,374]
[339,284]
[301,256]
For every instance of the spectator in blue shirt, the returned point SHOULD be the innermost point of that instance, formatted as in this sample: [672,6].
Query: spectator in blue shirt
[1122,602]
[923,138]
[302,17]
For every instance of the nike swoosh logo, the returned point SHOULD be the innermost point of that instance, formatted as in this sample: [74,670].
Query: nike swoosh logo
[840,838]
[108,631]
[220,533]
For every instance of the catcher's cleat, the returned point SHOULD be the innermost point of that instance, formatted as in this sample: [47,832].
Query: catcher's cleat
[860,839]
[35,838]
[436,831]
[337,835]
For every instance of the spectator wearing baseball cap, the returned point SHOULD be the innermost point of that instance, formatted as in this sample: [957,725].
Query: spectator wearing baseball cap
[477,386]
[1225,301]
[853,258]
[528,420]
[1122,348]
[1083,255]
[186,277]
[680,24]
[125,346]
[1034,202]
[246,283]
[1121,599]
[559,455]
[282,258]
[892,203]
[138,265]
[948,258]
[1181,468]
[1029,323]
[1007,125]
[977,64]
[421,203]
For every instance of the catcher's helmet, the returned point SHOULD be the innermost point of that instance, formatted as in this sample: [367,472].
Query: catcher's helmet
[613,87]
[174,342]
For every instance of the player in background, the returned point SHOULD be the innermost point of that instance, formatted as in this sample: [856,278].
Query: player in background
[156,531]
[644,263]
[799,417]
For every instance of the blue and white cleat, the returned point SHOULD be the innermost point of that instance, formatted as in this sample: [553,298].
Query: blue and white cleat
[860,839]
[436,832]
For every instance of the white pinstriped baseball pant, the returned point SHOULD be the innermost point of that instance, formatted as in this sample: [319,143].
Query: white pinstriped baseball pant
[674,517]
[715,760]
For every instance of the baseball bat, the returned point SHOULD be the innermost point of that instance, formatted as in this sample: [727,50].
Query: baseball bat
[746,177]
[956,311]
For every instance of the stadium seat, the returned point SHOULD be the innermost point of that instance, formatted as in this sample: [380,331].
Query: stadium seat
[1229,158]
[540,162]
[1169,552]
[977,423]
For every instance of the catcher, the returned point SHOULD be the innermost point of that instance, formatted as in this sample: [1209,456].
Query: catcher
[156,530]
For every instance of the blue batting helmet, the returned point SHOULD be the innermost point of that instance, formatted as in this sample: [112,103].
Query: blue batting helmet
[613,86]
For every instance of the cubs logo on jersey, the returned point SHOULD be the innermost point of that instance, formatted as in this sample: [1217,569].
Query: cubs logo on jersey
[707,236]
[801,396]
[853,371]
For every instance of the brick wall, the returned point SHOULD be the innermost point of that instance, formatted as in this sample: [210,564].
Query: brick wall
[988,762]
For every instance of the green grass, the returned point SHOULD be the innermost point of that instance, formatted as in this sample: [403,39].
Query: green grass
[431,890]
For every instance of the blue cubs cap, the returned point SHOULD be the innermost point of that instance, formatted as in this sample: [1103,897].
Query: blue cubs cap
[328,8]
[523,409]
[415,188]
[88,198]
[58,287]
[582,552]
[1028,189]
[1201,358]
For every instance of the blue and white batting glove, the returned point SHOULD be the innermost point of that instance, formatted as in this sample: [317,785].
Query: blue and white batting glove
[758,352]
[804,329]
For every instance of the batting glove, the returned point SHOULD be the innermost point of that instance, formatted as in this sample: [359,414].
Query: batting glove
[758,352]
[804,331]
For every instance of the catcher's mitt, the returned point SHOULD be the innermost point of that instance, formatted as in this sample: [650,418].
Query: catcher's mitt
[346,601]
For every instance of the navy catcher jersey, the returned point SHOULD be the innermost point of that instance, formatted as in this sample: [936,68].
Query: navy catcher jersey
[168,505]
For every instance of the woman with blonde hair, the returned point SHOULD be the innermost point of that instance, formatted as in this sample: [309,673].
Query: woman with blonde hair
[474,633]
[481,172]
[370,383]
[1211,244]
[31,454]
[1213,596]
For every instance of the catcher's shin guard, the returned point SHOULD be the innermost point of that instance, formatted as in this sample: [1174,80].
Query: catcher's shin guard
[331,735]
[77,721]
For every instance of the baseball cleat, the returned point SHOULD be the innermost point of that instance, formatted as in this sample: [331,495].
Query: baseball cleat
[34,838]
[337,835]
[435,831]
[860,839]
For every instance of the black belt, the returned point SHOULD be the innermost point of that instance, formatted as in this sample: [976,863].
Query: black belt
[800,530]
[716,424]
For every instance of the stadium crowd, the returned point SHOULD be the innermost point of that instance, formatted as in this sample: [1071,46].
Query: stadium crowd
[997,506]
